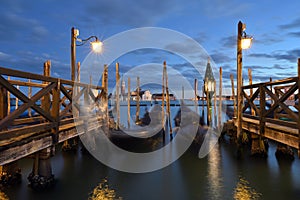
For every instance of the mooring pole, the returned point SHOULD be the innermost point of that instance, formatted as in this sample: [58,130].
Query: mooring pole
[220,101]
[239,79]
[298,107]
[117,96]
[251,89]
[128,103]
[168,101]
[137,114]
[233,95]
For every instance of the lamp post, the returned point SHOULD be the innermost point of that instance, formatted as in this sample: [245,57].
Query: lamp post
[209,85]
[243,42]
[75,41]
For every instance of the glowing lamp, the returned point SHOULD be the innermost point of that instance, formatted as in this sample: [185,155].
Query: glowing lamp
[246,42]
[97,46]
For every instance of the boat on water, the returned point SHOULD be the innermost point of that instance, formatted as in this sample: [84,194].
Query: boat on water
[141,134]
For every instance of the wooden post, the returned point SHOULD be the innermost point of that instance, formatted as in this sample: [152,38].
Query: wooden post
[137,114]
[233,95]
[220,101]
[128,103]
[262,118]
[271,89]
[17,99]
[251,89]
[29,96]
[195,94]
[78,72]
[239,79]
[46,99]
[195,88]
[215,103]
[8,99]
[55,111]
[117,96]
[3,102]
[168,101]
[42,164]
[163,100]
[298,107]
[73,52]
[182,93]
[105,99]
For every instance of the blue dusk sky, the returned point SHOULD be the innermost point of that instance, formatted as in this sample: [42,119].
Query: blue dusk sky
[32,32]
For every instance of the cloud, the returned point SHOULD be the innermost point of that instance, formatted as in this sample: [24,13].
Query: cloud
[130,13]
[229,42]
[268,39]
[219,58]
[290,55]
[294,34]
[294,24]
[187,47]
[15,26]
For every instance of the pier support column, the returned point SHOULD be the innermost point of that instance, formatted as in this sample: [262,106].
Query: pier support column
[284,152]
[258,146]
[41,176]
[10,174]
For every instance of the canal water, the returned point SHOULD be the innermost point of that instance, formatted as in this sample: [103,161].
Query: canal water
[219,175]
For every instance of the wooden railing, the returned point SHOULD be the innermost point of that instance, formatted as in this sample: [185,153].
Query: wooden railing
[276,116]
[50,105]
[277,102]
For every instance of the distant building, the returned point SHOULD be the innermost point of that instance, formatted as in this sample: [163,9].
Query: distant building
[147,96]
[158,96]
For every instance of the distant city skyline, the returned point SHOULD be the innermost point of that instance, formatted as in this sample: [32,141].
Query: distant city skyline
[32,32]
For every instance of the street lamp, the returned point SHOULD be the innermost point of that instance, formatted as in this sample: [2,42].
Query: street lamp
[243,42]
[75,41]
[209,86]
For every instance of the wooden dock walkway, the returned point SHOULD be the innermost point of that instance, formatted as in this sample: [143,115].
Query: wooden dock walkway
[280,120]
[52,103]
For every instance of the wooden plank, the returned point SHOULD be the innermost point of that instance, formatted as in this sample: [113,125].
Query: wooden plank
[21,74]
[20,133]
[274,132]
[27,84]
[276,82]
[21,151]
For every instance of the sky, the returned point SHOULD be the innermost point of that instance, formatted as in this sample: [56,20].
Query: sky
[32,32]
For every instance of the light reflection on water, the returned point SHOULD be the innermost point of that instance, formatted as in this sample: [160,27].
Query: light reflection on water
[214,173]
[103,192]
[3,196]
[243,191]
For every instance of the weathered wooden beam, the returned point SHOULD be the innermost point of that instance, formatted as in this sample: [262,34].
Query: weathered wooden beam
[250,102]
[27,84]
[21,74]
[279,102]
[27,103]
[262,105]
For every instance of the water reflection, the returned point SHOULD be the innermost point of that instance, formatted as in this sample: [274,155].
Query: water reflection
[103,192]
[214,172]
[243,191]
[3,196]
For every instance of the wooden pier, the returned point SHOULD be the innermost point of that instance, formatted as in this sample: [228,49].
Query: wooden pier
[52,118]
[276,116]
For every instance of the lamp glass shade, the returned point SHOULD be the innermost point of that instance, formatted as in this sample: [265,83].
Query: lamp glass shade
[97,46]
[246,42]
